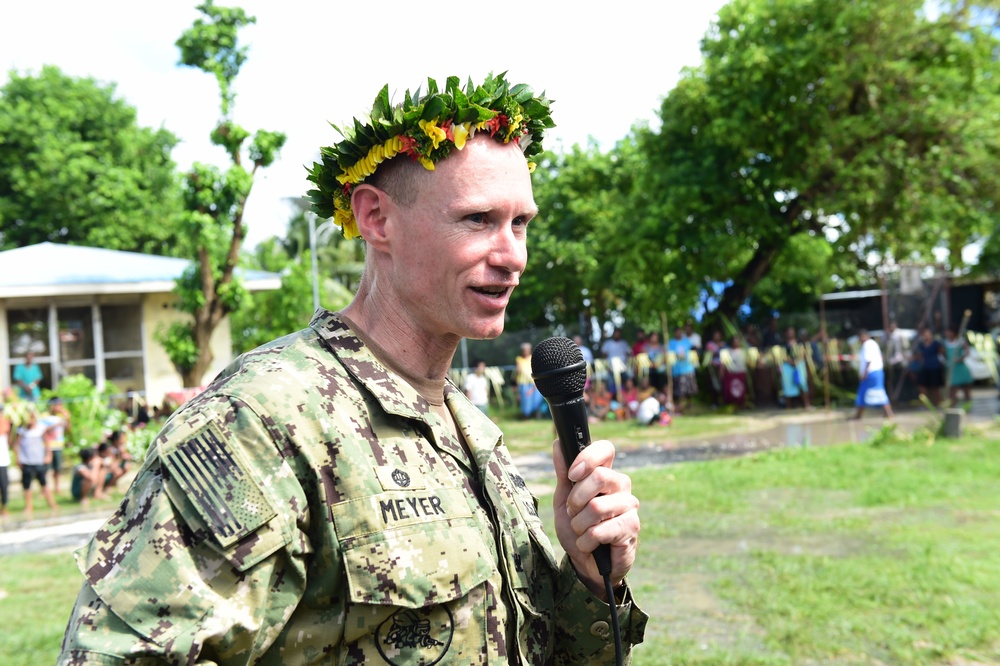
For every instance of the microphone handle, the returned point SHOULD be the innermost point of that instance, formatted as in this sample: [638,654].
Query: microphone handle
[573,429]
[572,426]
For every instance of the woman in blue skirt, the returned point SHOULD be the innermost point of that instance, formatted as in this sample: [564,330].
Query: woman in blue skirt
[871,391]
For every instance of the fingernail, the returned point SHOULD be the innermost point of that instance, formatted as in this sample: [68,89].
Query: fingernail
[576,472]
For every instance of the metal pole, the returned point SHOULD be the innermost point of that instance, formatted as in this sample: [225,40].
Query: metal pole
[946,302]
[885,304]
[826,352]
[315,266]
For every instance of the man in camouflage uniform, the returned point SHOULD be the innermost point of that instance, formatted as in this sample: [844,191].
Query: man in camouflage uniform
[331,498]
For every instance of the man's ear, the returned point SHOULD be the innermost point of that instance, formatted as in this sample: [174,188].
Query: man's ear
[372,208]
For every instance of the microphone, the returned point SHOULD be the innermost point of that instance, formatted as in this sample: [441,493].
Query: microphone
[560,374]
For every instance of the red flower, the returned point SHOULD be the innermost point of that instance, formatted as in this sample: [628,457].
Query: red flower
[409,145]
[495,123]
[347,189]
[446,126]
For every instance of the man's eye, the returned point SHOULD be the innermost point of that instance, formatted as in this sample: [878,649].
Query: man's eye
[478,218]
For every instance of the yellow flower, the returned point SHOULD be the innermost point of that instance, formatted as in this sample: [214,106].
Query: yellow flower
[461,134]
[366,165]
[351,229]
[346,221]
[436,134]
[426,161]
[514,126]
[531,167]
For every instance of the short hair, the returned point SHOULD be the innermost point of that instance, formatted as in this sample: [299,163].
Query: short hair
[86,455]
[400,179]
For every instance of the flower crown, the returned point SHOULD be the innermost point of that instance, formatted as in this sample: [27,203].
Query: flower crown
[425,128]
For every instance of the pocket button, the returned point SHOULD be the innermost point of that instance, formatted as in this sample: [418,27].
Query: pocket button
[600,629]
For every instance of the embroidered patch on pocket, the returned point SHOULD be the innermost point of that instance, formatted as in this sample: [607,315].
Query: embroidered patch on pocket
[400,478]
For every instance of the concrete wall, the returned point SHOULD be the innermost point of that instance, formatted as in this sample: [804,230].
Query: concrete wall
[158,312]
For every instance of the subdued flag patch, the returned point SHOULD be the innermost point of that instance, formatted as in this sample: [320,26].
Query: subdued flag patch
[214,479]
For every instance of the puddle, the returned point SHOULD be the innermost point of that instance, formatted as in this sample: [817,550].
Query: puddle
[835,430]
[49,538]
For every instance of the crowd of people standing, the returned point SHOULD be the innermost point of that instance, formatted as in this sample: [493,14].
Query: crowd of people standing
[647,380]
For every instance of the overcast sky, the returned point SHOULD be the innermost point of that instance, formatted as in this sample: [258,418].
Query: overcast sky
[312,62]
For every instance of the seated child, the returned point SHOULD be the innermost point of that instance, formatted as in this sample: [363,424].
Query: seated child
[654,410]
[109,463]
[119,444]
[600,403]
[88,478]
[629,399]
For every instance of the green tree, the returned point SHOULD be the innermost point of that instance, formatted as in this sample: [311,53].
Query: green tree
[595,255]
[338,267]
[572,274]
[75,167]
[288,309]
[215,200]
[861,123]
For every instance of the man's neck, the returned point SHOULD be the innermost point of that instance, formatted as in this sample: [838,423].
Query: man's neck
[415,351]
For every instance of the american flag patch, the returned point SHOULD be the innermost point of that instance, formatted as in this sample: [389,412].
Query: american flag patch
[214,479]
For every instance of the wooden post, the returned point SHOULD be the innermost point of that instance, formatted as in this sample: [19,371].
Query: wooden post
[666,357]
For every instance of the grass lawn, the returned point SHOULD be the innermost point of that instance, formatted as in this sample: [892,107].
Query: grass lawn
[853,554]
[65,504]
[37,593]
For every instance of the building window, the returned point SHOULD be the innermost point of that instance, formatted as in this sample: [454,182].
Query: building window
[122,342]
[103,343]
[76,341]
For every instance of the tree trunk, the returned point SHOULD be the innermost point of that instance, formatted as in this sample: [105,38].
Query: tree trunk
[203,328]
[736,294]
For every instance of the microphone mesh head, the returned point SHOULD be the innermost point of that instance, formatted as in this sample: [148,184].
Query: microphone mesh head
[558,367]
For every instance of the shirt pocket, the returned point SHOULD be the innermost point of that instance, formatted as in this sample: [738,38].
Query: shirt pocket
[528,548]
[416,583]
[411,549]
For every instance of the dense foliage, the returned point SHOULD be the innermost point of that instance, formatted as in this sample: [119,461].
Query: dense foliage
[288,309]
[818,143]
[866,125]
[76,167]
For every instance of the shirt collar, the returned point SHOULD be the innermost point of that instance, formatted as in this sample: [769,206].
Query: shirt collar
[395,395]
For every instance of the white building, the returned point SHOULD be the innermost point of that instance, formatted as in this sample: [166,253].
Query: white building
[95,312]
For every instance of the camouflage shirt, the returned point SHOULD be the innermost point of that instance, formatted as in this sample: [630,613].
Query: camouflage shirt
[309,507]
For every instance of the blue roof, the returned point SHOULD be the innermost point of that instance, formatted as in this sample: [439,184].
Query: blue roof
[50,265]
